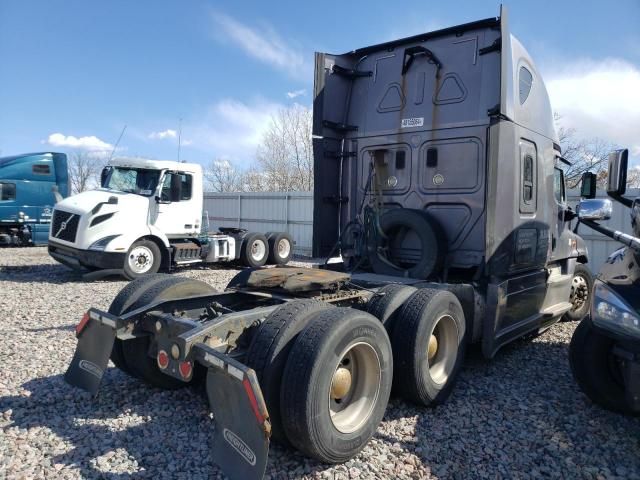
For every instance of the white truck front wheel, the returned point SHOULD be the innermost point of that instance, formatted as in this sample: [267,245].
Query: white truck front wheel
[143,258]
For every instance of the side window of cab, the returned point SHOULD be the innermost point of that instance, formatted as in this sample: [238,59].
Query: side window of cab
[165,191]
[186,184]
[558,186]
[186,180]
[7,192]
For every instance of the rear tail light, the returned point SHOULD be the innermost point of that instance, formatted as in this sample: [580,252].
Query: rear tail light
[186,369]
[163,359]
[253,400]
[82,324]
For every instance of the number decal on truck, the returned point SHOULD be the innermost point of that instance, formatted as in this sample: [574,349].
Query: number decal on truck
[412,122]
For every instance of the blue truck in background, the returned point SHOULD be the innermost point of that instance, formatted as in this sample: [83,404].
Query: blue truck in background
[30,185]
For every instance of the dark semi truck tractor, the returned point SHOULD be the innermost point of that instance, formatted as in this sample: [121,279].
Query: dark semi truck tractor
[437,181]
[605,348]
[30,185]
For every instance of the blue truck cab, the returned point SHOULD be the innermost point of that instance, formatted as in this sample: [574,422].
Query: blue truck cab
[29,186]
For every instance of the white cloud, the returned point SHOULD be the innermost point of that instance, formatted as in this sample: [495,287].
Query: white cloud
[599,99]
[232,129]
[265,45]
[297,93]
[91,142]
[164,134]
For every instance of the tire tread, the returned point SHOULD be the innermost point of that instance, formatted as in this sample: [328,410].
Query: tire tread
[269,351]
[408,380]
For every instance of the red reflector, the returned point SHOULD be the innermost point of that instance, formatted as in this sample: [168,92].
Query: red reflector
[185,369]
[82,324]
[163,359]
[252,399]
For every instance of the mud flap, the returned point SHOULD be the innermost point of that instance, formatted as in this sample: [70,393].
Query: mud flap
[242,428]
[96,334]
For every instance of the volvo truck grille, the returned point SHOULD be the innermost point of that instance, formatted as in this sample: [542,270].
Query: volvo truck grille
[64,225]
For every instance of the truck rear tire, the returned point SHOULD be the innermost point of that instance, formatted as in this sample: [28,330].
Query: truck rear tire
[428,346]
[143,258]
[270,348]
[387,302]
[580,298]
[121,304]
[336,384]
[254,250]
[596,370]
[136,350]
[280,248]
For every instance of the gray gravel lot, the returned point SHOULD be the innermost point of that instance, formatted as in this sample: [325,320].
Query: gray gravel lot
[518,416]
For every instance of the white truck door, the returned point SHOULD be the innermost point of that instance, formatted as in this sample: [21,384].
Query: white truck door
[179,216]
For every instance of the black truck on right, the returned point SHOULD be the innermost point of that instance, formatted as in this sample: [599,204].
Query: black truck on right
[605,348]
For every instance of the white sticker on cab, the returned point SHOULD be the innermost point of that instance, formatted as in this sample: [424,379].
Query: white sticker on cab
[412,122]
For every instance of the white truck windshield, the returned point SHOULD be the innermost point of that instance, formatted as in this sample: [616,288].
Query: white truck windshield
[132,180]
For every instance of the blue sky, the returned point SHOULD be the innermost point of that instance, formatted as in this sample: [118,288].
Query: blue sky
[73,73]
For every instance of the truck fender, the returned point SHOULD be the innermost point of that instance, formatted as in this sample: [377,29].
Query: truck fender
[123,243]
[161,236]
[124,240]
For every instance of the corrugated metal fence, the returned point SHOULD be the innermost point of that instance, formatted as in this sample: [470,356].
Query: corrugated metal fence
[290,212]
[293,212]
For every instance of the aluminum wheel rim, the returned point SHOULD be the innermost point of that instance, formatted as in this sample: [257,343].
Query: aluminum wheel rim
[442,359]
[140,259]
[258,250]
[579,292]
[284,247]
[355,404]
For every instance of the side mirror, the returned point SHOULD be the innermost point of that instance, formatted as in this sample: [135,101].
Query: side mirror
[103,175]
[176,187]
[617,182]
[595,209]
[588,185]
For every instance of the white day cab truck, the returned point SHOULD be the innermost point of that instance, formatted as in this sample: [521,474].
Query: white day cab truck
[437,178]
[148,215]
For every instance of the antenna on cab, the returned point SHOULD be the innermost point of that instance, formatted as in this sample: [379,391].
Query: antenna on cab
[117,143]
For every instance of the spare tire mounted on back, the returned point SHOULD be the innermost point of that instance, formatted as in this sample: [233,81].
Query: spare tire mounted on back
[415,245]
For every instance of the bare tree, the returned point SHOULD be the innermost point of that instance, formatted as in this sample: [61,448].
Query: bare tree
[255,180]
[84,170]
[583,154]
[285,154]
[633,177]
[223,176]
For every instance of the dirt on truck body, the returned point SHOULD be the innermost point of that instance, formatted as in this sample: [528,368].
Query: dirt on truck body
[437,182]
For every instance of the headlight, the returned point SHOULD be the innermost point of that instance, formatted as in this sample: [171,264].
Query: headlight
[612,313]
[101,244]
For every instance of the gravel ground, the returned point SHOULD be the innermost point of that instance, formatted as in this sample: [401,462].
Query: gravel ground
[518,416]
